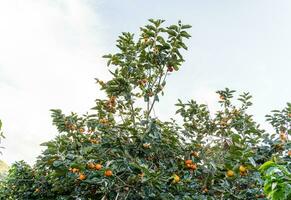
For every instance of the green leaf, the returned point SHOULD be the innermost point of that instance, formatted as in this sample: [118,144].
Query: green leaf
[186,26]
[266,165]
[171,32]
[252,161]
[185,34]
[156,98]
[57,163]
[173,27]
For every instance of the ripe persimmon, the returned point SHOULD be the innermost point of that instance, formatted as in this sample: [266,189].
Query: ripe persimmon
[193,166]
[72,127]
[98,166]
[74,170]
[229,173]
[242,169]
[91,165]
[108,173]
[103,121]
[82,176]
[146,145]
[195,154]
[94,141]
[141,175]
[143,82]
[188,162]
[283,136]
[188,165]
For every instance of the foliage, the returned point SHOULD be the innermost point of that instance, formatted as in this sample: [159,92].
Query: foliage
[120,150]
[277,183]
[18,184]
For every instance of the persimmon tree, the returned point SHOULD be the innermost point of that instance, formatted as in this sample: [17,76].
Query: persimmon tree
[121,150]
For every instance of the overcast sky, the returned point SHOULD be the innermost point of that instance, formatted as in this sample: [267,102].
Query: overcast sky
[50,53]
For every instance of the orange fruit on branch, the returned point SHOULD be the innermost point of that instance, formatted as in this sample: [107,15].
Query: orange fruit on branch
[98,166]
[82,176]
[74,170]
[193,166]
[143,82]
[188,162]
[91,165]
[242,169]
[146,145]
[103,121]
[283,136]
[205,190]
[81,130]
[229,173]
[72,127]
[195,154]
[188,165]
[94,141]
[108,173]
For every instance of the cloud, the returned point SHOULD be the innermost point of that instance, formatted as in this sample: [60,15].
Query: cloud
[48,59]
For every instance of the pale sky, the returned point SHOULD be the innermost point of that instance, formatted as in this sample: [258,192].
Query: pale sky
[50,53]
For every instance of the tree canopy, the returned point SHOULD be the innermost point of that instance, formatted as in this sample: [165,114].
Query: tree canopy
[121,150]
